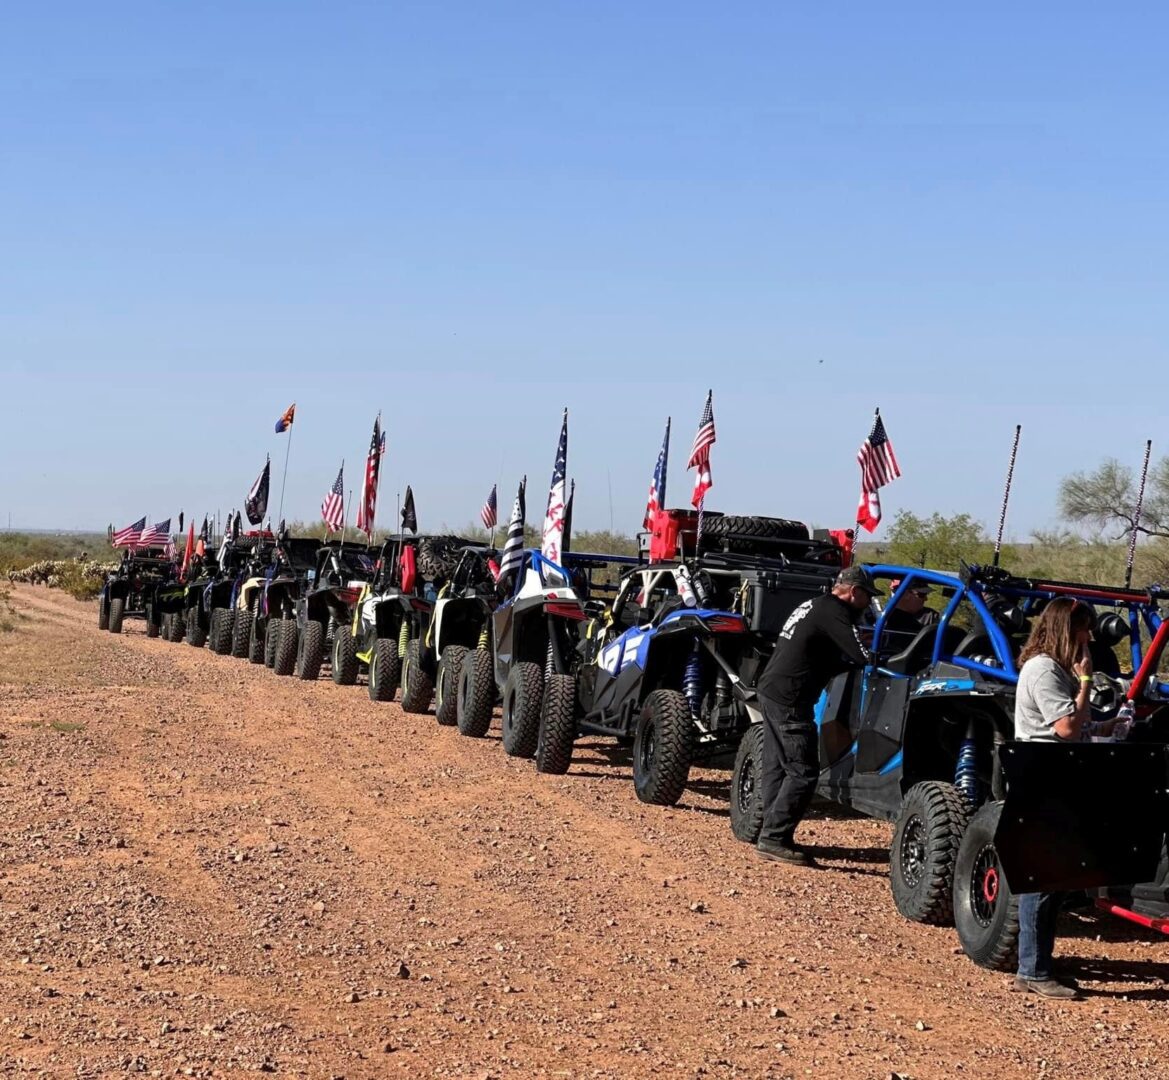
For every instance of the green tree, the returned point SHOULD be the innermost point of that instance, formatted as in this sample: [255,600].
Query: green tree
[1106,499]
[937,542]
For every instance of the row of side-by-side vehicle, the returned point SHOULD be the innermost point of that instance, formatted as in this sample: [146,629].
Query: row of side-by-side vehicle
[662,653]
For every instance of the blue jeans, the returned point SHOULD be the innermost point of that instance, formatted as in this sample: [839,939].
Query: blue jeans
[1037,915]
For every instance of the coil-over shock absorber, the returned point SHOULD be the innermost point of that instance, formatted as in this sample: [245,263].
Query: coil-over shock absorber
[482,644]
[403,638]
[966,771]
[692,680]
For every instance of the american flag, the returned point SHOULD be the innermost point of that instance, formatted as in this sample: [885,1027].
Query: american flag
[156,535]
[488,514]
[553,533]
[512,557]
[367,507]
[333,508]
[128,537]
[657,486]
[700,453]
[567,541]
[878,467]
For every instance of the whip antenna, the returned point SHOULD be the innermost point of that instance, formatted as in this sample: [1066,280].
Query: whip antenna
[998,542]
[1136,518]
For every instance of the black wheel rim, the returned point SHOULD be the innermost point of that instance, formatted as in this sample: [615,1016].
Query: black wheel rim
[985,885]
[913,848]
[745,789]
[648,749]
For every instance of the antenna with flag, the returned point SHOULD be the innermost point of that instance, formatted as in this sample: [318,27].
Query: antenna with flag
[998,543]
[285,424]
[1136,518]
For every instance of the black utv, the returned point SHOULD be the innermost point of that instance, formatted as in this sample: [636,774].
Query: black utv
[390,630]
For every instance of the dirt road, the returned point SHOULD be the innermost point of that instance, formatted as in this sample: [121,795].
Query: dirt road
[206,870]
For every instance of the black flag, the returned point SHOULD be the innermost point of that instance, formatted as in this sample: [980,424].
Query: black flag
[180,523]
[205,531]
[256,504]
[409,517]
[236,525]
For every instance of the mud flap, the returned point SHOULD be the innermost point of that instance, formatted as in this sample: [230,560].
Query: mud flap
[1082,815]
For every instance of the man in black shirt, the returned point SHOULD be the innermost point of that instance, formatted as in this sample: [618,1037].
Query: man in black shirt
[818,641]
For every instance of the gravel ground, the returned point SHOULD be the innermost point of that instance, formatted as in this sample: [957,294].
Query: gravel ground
[206,870]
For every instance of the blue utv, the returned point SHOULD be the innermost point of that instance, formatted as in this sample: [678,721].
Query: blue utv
[672,667]
[924,737]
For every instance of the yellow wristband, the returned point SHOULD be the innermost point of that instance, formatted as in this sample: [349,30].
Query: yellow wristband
[1085,678]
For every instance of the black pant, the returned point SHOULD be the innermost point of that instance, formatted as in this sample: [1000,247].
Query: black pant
[791,766]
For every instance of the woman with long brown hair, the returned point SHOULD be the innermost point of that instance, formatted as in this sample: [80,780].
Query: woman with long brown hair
[1051,704]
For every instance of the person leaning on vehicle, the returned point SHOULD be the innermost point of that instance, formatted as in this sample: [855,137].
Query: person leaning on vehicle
[1052,705]
[819,640]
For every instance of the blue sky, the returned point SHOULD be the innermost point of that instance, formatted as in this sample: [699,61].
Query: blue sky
[471,215]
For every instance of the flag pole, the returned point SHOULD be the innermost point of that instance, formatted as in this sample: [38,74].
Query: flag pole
[998,543]
[345,516]
[1136,518]
[398,519]
[284,478]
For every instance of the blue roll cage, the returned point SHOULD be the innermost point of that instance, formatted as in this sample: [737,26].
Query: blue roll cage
[971,588]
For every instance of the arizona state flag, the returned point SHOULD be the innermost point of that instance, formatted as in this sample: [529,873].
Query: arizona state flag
[285,422]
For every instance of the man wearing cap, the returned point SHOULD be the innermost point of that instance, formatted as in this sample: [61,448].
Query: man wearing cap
[817,643]
[910,614]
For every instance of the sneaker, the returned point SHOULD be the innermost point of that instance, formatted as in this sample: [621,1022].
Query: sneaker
[788,853]
[1049,988]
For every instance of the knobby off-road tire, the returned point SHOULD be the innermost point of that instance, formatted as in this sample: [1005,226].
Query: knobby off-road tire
[103,612]
[117,614]
[765,528]
[271,640]
[384,670]
[196,635]
[523,694]
[557,725]
[417,689]
[476,698]
[437,556]
[256,642]
[152,628]
[241,634]
[928,831]
[746,786]
[222,624]
[310,650]
[287,640]
[446,685]
[344,660]
[986,912]
[164,625]
[173,627]
[662,748]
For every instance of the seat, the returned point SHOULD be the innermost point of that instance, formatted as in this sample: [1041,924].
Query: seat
[916,655]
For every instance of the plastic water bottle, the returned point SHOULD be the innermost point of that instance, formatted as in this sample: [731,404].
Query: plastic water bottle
[1125,716]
